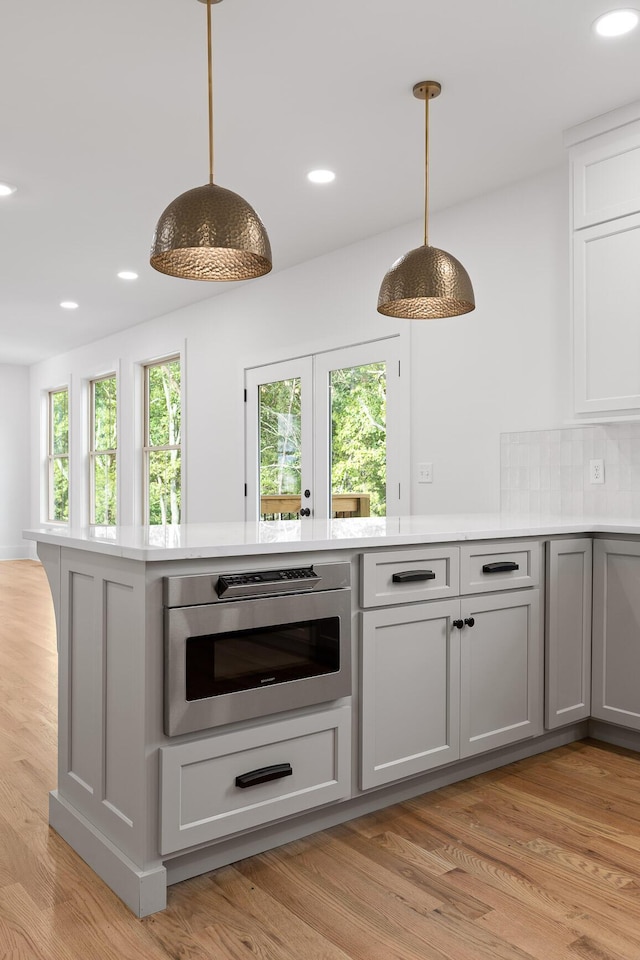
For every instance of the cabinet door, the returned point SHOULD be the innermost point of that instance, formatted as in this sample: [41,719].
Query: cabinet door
[568,632]
[606,305]
[501,686]
[616,632]
[606,176]
[410,690]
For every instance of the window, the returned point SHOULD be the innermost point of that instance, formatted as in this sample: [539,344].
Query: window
[103,451]
[162,441]
[328,434]
[58,455]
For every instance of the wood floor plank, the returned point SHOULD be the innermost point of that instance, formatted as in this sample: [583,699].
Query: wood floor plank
[418,874]
[356,921]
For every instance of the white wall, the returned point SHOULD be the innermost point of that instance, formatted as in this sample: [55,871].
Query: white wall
[14,473]
[498,369]
[505,366]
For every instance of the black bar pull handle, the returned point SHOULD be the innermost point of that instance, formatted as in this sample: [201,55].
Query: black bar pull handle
[413,576]
[500,566]
[275,772]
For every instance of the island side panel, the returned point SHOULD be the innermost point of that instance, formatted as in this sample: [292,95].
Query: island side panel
[102,690]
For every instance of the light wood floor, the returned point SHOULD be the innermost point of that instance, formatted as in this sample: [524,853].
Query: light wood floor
[537,860]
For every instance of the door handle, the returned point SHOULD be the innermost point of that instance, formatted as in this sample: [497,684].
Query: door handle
[305,512]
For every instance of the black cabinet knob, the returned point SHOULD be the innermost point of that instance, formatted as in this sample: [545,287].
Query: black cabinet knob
[459,624]
[469,621]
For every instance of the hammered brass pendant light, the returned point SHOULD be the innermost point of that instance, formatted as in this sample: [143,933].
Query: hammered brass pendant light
[426,283]
[210,233]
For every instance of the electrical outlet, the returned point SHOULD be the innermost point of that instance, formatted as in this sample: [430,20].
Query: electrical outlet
[425,473]
[596,471]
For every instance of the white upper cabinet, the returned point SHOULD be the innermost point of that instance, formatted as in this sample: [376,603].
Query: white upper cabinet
[606,308]
[605,175]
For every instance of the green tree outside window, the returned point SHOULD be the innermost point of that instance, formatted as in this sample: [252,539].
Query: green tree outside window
[103,450]
[163,442]
[59,455]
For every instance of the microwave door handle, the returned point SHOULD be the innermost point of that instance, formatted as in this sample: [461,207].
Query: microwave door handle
[275,772]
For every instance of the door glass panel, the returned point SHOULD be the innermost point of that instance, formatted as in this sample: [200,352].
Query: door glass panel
[359,441]
[280,440]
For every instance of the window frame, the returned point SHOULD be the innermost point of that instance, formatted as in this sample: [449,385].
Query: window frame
[52,456]
[148,448]
[93,452]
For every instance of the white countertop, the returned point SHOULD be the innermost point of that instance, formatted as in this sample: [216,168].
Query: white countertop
[234,539]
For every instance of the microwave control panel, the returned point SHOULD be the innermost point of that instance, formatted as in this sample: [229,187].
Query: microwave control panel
[236,584]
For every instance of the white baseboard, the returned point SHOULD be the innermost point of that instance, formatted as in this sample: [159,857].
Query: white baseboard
[21,551]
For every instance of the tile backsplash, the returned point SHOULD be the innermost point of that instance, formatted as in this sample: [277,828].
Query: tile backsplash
[547,471]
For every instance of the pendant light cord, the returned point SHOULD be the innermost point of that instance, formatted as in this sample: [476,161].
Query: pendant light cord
[426,170]
[210,66]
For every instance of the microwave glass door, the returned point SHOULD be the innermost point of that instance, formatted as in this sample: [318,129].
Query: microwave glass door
[223,663]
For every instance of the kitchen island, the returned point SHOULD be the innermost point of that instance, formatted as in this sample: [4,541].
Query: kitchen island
[146,806]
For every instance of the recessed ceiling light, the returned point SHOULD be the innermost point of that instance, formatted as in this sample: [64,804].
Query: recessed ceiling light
[616,22]
[321,176]
[128,275]
[6,189]
[69,305]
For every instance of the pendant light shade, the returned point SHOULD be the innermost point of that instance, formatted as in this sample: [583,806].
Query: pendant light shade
[426,283]
[210,233]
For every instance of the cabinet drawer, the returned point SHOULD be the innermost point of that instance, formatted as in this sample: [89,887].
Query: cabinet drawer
[201,800]
[406,576]
[503,565]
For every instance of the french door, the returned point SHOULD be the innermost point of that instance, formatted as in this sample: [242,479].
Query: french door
[328,434]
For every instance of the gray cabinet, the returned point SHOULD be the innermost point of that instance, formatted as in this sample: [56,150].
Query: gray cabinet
[500,670]
[568,631]
[410,670]
[616,632]
[448,679]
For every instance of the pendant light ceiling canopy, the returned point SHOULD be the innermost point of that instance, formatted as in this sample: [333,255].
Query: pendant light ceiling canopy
[426,283]
[210,233]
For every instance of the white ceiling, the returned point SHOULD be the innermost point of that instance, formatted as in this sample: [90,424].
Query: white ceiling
[103,121]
